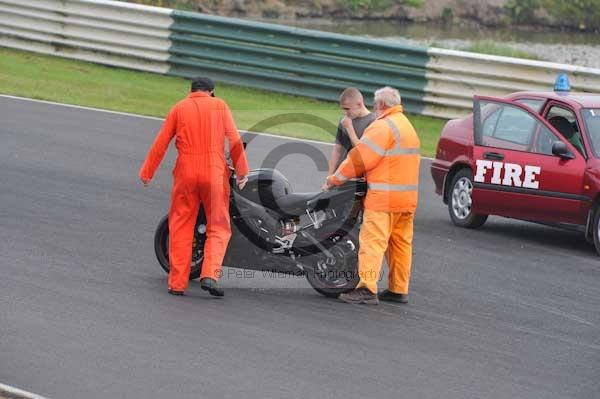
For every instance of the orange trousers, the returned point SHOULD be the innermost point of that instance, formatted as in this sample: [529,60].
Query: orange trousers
[387,234]
[197,184]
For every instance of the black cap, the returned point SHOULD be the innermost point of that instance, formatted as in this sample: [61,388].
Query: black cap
[202,84]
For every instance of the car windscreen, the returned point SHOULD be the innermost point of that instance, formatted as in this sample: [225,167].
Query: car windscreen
[591,116]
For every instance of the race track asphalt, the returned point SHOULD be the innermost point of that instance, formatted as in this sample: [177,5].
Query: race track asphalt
[511,310]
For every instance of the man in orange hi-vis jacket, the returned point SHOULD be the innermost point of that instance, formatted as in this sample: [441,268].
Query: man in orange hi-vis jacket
[200,123]
[388,156]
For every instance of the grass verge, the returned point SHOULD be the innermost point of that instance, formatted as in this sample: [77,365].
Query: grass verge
[81,83]
[491,48]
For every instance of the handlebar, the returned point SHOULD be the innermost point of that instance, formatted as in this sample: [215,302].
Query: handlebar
[347,186]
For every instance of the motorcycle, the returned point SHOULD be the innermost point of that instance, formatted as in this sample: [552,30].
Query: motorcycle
[312,234]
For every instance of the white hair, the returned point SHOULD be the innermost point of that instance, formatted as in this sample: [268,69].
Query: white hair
[388,96]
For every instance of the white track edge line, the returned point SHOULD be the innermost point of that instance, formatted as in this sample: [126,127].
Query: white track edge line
[16,392]
[158,119]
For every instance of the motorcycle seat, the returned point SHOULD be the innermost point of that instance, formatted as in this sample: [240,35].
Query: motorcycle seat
[294,204]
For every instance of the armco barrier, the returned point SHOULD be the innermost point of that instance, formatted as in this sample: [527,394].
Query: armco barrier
[453,77]
[299,61]
[303,62]
[106,32]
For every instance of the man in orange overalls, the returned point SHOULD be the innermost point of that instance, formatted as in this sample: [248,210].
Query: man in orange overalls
[388,156]
[200,123]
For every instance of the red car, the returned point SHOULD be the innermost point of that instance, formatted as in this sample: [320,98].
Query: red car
[533,156]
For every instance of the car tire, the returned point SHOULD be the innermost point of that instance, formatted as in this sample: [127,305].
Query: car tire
[596,227]
[460,201]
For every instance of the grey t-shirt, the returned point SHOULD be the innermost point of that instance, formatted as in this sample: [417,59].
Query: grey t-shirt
[360,125]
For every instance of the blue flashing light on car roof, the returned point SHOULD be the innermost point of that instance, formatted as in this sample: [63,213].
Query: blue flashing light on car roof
[562,83]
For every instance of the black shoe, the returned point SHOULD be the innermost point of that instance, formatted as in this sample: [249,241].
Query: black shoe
[390,296]
[360,295]
[175,292]
[211,285]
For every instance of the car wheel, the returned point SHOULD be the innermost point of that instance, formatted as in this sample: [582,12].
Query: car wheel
[460,201]
[596,227]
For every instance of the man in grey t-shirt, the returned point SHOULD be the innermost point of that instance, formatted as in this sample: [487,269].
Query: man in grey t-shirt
[351,127]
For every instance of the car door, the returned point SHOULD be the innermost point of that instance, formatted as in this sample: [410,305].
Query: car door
[555,110]
[515,172]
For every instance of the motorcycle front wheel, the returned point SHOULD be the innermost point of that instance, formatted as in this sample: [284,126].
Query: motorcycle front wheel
[161,245]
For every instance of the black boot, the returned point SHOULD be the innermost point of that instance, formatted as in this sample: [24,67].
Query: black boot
[175,292]
[390,296]
[211,285]
[360,295]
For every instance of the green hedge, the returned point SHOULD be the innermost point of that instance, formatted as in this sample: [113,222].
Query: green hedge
[581,14]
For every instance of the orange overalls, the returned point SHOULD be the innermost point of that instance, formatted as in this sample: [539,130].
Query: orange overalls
[200,124]
[388,156]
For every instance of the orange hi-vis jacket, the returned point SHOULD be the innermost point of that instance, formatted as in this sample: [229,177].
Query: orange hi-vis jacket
[388,156]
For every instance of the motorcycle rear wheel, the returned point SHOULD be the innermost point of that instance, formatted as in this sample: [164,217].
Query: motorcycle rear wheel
[331,280]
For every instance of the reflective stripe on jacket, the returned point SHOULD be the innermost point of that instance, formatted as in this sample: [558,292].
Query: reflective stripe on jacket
[388,156]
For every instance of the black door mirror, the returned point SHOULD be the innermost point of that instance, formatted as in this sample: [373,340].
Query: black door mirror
[560,149]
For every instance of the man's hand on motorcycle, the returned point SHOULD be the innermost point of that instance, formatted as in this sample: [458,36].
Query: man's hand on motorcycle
[327,185]
[241,181]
